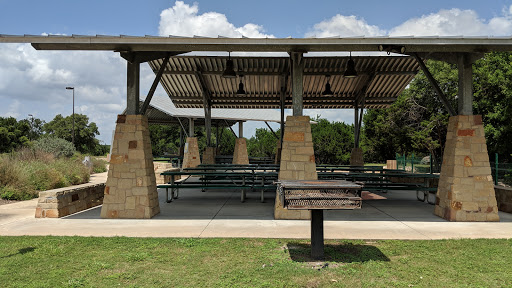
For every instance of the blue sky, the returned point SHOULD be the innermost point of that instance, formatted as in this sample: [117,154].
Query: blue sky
[32,82]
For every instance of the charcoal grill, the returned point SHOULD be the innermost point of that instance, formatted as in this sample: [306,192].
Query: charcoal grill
[317,196]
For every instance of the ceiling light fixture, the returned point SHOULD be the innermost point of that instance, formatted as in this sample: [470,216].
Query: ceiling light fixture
[230,68]
[241,90]
[351,68]
[327,91]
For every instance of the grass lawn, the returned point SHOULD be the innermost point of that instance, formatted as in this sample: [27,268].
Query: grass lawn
[150,262]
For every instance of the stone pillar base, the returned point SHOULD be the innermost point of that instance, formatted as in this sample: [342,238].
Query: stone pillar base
[297,161]
[240,155]
[130,191]
[191,153]
[209,155]
[466,191]
[356,157]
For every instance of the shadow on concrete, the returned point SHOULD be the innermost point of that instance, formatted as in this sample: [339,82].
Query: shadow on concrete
[217,204]
[21,252]
[342,253]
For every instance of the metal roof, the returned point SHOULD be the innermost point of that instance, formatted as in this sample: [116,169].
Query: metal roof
[162,111]
[381,79]
[479,44]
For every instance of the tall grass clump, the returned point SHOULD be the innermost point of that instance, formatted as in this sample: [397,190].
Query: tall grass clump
[26,172]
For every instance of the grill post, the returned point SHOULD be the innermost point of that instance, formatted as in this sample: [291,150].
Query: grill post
[317,234]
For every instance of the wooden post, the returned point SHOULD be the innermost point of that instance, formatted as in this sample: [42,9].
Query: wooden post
[317,234]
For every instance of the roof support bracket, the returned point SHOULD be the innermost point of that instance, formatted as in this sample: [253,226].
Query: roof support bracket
[230,128]
[436,87]
[272,130]
[155,84]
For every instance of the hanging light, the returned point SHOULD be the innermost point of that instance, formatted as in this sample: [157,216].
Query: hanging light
[327,91]
[351,68]
[241,90]
[230,68]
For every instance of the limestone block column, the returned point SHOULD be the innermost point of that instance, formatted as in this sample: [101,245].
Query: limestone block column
[209,154]
[191,153]
[356,157]
[130,191]
[240,155]
[297,161]
[466,190]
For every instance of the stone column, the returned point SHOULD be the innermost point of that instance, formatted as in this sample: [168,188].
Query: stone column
[297,161]
[240,155]
[466,190]
[209,154]
[191,153]
[356,157]
[130,191]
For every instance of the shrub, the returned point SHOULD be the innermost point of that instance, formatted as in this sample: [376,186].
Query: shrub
[56,146]
[98,165]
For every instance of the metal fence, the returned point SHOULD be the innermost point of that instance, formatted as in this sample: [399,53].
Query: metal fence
[416,164]
[501,172]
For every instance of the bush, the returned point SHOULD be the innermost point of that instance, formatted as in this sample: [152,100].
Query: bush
[56,146]
[98,165]
[24,173]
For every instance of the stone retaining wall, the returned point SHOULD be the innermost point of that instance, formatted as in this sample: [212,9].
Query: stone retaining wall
[504,198]
[61,202]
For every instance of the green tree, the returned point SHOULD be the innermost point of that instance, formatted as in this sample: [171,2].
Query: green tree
[13,134]
[85,132]
[165,139]
[333,141]
[262,144]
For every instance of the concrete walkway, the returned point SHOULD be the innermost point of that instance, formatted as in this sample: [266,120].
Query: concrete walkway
[217,213]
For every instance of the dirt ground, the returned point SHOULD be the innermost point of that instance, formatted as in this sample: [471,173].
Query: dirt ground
[3,201]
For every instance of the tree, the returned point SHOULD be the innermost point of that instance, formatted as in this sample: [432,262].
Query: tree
[85,132]
[164,139]
[332,142]
[262,144]
[13,134]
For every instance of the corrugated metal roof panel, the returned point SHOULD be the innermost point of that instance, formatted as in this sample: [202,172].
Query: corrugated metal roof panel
[381,79]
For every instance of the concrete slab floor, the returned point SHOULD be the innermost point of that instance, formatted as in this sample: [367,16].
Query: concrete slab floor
[218,213]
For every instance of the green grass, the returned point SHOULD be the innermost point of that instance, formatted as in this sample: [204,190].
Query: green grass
[159,262]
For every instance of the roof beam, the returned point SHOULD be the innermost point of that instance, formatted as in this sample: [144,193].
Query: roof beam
[141,57]
[258,73]
[155,84]
[436,87]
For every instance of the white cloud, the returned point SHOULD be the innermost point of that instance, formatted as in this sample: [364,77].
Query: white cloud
[184,20]
[455,22]
[344,26]
[452,22]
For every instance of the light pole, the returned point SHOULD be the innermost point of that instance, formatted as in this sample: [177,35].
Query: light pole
[31,126]
[73,134]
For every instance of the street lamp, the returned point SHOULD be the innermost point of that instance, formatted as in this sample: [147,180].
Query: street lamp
[31,126]
[73,135]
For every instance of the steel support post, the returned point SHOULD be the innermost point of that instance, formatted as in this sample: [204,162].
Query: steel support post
[191,132]
[317,234]
[465,67]
[297,85]
[132,88]
[241,129]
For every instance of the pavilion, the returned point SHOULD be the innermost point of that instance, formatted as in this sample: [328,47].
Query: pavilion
[297,81]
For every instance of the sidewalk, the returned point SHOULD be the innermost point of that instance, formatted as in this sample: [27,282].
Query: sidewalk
[217,213]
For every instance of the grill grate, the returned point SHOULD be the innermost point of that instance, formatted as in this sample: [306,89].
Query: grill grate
[322,199]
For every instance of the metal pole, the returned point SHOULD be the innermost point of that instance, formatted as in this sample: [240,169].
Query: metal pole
[317,234]
[496,171]
[431,164]
[73,132]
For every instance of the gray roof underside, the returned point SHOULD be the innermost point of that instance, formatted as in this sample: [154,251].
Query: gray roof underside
[162,111]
